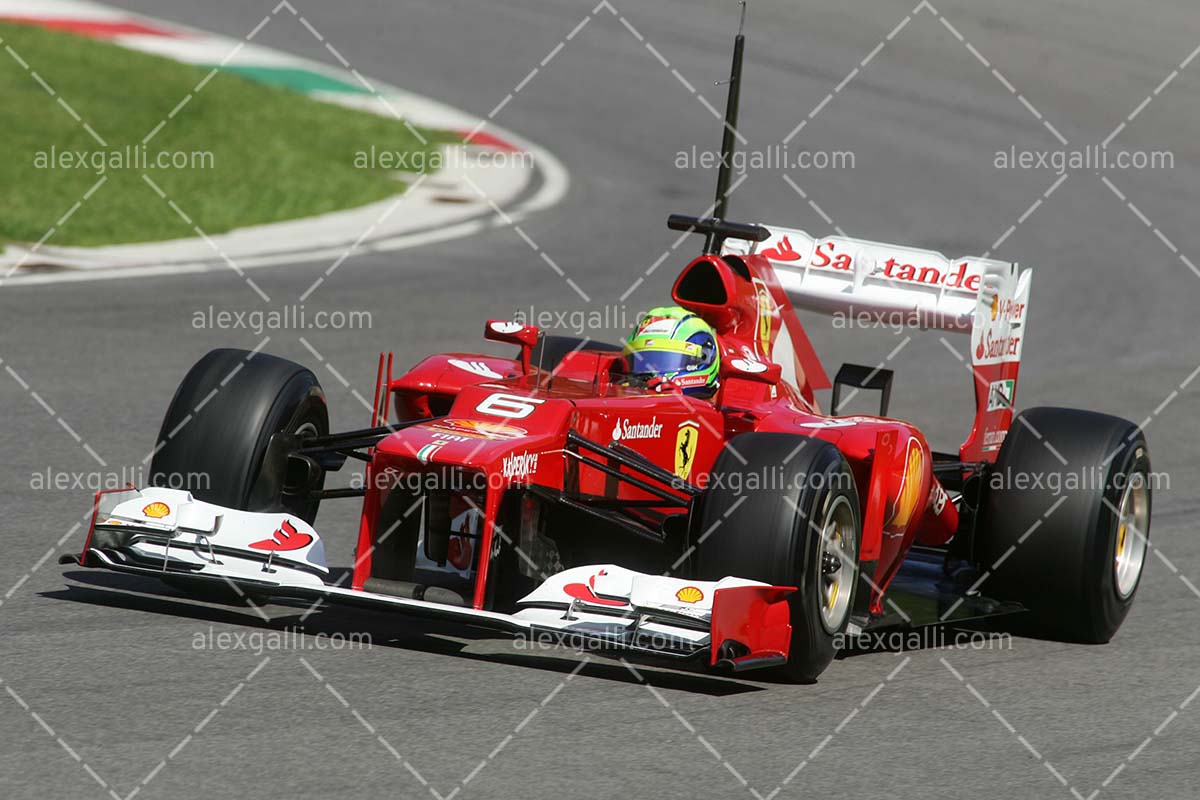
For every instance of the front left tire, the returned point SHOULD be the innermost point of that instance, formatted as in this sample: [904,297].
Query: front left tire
[784,509]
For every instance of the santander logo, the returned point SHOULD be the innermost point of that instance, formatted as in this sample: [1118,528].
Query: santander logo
[827,254]
[587,592]
[480,368]
[782,251]
[284,540]
[626,430]
[506,328]
[998,347]
[927,269]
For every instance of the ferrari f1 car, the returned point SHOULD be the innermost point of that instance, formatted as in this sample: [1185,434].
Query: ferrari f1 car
[550,494]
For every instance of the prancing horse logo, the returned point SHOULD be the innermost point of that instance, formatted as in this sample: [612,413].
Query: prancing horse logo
[685,448]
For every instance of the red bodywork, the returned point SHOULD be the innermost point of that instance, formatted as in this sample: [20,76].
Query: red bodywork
[507,420]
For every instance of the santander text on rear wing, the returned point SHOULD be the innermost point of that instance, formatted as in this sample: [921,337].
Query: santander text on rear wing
[872,283]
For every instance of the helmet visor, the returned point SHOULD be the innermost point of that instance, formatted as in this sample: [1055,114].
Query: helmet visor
[660,363]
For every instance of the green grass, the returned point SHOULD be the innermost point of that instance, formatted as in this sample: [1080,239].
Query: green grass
[276,154]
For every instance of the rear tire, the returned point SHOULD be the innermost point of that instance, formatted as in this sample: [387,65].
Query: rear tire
[1072,549]
[218,427]
[787,515]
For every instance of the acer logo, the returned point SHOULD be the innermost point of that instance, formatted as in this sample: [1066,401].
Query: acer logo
[284,540]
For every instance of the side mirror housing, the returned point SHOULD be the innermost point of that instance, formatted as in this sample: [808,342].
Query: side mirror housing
[748,369]
[523,336]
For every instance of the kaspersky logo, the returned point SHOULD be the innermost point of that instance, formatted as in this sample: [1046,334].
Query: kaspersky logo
[519,465]
[626,430]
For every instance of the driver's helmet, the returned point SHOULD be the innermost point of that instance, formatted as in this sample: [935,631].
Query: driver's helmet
[673,344]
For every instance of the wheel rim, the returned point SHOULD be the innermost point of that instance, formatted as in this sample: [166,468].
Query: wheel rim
[1133,516]
[295,501]
[306,429]
[838,560]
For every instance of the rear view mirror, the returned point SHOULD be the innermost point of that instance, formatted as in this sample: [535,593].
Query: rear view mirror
[524,336]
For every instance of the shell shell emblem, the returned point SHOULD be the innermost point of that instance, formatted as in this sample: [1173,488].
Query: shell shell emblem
[156,510]
[766,311]
[480,428]
[689,594]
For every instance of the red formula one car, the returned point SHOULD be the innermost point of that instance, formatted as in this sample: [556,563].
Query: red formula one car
[553,494]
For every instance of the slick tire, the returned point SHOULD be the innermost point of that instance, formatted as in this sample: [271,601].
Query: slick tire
[784,509]
[1066,522]
[218,429]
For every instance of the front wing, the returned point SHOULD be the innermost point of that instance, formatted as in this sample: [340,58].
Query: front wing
[166,533]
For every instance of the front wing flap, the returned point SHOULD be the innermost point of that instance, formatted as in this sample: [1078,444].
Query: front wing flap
[732,623]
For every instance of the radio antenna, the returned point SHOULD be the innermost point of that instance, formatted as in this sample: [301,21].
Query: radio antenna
[713,241]
[717,228]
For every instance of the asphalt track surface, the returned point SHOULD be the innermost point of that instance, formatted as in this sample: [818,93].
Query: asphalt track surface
[103,674]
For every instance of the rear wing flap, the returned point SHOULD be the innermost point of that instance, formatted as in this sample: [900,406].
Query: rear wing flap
[868,283]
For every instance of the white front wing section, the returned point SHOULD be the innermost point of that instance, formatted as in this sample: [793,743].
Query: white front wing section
[170,534]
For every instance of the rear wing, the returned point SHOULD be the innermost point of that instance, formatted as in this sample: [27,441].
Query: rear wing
[867,283]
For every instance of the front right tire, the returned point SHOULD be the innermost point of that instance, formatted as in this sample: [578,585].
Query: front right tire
[219,426]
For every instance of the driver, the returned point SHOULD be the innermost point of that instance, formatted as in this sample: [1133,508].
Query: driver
[671,345]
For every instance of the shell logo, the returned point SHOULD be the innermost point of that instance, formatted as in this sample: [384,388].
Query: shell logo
[689,594]
[909,494]
[156,510]
[480,428]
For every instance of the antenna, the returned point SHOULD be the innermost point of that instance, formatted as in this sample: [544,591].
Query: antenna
[713,241]
[717,229]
